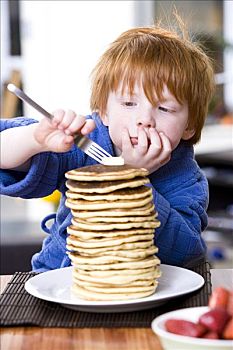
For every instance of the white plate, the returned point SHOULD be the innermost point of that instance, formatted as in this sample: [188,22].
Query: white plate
[55,286]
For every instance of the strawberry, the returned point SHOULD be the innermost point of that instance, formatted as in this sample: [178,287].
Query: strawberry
[230,304]
[228,330]
[214,320]
[183,327]
[211,335]
[219,298]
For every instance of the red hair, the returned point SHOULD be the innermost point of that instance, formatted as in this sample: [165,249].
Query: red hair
[159,57]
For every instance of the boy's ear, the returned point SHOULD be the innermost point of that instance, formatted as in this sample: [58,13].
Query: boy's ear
[105,119]
[188,133]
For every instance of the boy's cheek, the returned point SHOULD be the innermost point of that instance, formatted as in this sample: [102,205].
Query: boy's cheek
[115,136]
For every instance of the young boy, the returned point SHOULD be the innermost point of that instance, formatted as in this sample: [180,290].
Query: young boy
[150,94]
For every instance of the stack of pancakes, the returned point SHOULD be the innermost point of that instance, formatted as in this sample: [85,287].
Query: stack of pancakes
[111,239]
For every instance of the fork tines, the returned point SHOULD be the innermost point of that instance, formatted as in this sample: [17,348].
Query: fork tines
[97,152]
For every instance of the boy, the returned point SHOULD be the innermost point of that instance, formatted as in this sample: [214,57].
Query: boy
[150,94]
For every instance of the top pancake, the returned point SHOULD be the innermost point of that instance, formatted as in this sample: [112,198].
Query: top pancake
[99,172]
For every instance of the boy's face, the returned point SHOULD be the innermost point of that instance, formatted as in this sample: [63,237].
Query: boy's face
[131,113]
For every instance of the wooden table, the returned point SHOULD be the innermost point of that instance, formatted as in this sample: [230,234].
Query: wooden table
[36,338]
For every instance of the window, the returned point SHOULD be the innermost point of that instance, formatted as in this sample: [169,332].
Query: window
[205,24]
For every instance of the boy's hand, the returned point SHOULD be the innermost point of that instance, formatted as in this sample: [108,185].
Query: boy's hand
[152,151]
[58,135]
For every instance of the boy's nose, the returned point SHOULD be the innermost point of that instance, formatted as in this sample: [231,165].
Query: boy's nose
[146,120]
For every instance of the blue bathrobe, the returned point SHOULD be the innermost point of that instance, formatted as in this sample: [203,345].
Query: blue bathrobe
[180,194]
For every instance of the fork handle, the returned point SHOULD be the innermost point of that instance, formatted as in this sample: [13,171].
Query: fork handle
[78,139]
[19,93]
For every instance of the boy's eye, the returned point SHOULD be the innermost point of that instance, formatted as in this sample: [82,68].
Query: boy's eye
[129,104]
[163,109]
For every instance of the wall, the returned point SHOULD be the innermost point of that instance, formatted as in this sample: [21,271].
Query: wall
[228,53]
[61,42]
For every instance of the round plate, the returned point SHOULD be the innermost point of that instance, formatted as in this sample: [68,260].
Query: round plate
[55,286]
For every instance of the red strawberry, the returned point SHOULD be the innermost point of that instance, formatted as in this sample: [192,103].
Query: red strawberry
[184,327]
[228,330]
[214,320]
[211,335]
[219,298]
[230,304]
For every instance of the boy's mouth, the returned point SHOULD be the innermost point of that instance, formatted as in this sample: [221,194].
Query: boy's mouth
[134,141]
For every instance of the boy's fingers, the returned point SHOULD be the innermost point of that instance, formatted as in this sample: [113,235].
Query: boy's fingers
[155,143]
[76,124]
[70,123]
[154,138]
[67,119]
[142,141]
[166,149]
[68,139]
[88,127]
[166,143]
[45,123]
[57,116]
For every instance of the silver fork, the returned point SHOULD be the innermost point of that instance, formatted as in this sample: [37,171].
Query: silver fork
[88,146]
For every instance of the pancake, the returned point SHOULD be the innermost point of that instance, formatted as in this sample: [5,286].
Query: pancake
[125,290]
[133,253]
[91,295]
[121,219]
[87,234]
[117,219]
[139,211]
[91,249]
[105,186]
[105,259]
[101,173]
[112,273]
[150,261]
[137,283]
[113,226]
[104,204]
[110,240]
[129,193]
[117,280]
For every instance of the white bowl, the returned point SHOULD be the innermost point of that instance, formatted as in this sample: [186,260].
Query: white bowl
[171,341]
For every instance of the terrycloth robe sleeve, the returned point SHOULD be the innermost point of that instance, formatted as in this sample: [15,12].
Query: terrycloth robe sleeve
[46,172]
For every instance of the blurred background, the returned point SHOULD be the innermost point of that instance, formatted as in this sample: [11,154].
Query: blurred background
[49,48]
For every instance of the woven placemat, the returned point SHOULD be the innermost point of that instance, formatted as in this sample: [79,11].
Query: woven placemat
[18,308]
